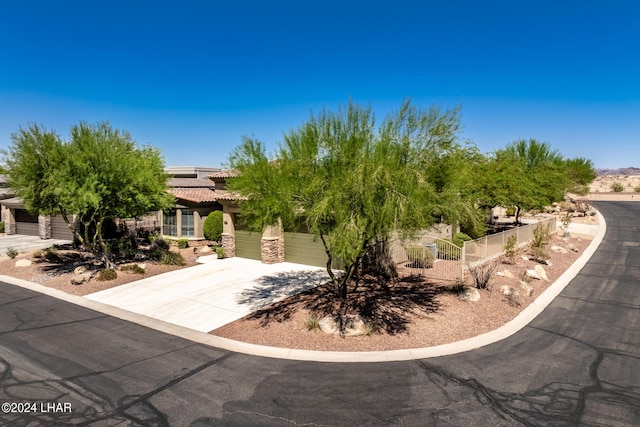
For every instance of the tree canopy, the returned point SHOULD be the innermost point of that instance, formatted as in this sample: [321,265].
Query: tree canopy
[99,174]
[353,183]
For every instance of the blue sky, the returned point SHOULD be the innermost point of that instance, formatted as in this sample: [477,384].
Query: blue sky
[192,77]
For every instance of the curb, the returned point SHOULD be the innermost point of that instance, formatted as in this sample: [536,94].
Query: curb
[505,331]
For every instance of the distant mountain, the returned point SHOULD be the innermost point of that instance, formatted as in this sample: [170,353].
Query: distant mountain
[621,171]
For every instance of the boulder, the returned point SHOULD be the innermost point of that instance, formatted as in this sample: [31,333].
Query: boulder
[343,325]
[512,295]
[205,249]
[533,274]
[470,294]
[81,278]
[572,247]
[526,288]
[559,249]
[525,258]
[80,269]
[23,263]
[541,271]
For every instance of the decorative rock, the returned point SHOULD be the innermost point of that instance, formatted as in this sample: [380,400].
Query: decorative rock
[140,256]
[470,294]
[540,270]
[559,249]
[525,258]
[81,278]
[548,262]
[511,294]
[509,274]
[528,290]
[205,249]
[23,263]
[143,266]
[572,247]
[345,326]
[533,274]
[80,269]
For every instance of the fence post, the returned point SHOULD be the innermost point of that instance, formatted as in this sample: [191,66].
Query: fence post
[463,259]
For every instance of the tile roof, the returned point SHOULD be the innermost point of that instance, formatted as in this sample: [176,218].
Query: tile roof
[229,173]
[227,195]
[196,195]
[191,183]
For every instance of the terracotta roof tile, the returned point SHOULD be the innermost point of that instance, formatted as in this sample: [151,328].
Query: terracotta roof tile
[196,195]
[229,173]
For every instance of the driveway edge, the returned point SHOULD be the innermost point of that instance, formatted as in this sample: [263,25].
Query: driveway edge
[508,329]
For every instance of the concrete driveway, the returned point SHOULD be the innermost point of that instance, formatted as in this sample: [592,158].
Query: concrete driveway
[214,293]
[27,243]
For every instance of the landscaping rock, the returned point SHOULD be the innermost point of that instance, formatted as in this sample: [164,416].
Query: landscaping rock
[525,258]
[572,247]
[512,295]
[509,274]
[526,288]
[540,270]
[559,249]
[81,278]
[205,249]
[345,326]
[80,269]
[23,263]
[140,256]
[533,274]
[470,294]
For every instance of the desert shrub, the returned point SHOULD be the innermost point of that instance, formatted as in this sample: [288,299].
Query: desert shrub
[312,322]
[460,238]
[37,253]
[510,249]
[1,226]
[172,258]
[107,274]
[133,268]
[212,227]
[617,187]
[482,273]
[51,254]
[220,252]
[566,220]
[458,287]
[636,189]
[419,256]
[510,211]
[123,247]
[12,253]
[541,236]
[183,243]
[539,253]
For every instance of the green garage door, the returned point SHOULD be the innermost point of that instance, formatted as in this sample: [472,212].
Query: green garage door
[248,244]
[301,249]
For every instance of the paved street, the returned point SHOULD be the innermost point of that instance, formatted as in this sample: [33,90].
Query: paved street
[578,363]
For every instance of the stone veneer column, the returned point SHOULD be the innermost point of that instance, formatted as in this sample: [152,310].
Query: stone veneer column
[271,250]
[44,226]
[9,220]
[229,245]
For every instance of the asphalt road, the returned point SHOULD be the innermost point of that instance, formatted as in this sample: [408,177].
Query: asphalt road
[578,363]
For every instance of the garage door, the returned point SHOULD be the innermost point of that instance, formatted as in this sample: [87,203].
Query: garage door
[301,249]
[248,244]
[59,229]
[26,223]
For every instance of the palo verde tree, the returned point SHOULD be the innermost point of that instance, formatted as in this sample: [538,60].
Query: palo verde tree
[351,182]
[98,175]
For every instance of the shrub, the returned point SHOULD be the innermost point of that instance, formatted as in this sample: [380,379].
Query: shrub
[183,243]
[637,189]
[37,253]
[1,226]
[482,274]
[460,238]
[541,236]
[133,268]
[419,256]
[107,274]
[212,228]
[617,187]
[220,252]
[566,220]
[510,249]
[458,287]
[123,247]
[312,322]
[172,258]
[510,211]
[51,254]
[12,253]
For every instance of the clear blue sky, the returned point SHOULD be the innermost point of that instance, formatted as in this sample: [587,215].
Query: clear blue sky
[192,77]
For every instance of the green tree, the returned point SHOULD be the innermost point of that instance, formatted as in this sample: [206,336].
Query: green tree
[212,228]
[581,173]
[98,175]
[354,183]
[526,174]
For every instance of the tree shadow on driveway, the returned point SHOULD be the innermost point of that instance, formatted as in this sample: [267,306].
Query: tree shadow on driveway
[387,305]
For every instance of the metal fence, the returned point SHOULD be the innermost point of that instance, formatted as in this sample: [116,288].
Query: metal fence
[491,246]
[441,259]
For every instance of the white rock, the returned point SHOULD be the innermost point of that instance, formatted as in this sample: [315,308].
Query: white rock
[572,247]
[540,270]
[143,266]
[470,294]
[509,274]
[533,274]
[525,258]
[80,269]
[205,249]
[559,249]
[346,326]
[23,263]
[528,290]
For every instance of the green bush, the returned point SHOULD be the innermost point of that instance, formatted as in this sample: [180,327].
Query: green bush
[107,274]
[511,249]
[220,252]
[212,227]
[172,258]
[510,211]
[123,247]
[183,243]
[133,268]
[1,226]
[419,256]
[51,254]
[12,253]
[637,189]
[617,187]
[460,238]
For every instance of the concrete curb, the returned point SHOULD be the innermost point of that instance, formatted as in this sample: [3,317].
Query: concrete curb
[505,331]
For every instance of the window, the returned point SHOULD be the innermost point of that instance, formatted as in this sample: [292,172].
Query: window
[188,229]
[169,223]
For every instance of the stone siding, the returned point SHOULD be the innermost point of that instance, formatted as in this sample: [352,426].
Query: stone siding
[229,245]
[272,250]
